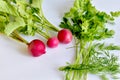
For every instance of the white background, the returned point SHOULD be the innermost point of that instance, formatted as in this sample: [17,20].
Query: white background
[17,64]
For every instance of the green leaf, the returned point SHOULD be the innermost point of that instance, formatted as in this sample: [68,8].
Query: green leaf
[103,46]
[22,7]
[8,8]
[3,18]
[36,3]
[11,26]
[112,47]
[2,27]
[31,28]
[115,14]
[103,77]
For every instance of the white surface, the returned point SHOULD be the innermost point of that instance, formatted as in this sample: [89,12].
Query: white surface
[16,64]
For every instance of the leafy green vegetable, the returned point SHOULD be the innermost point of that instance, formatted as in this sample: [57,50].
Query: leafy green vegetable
[12,26]
[24,16]
[116,14]
[88,25]
[91,22]
[2,27]
[22,6]
[6,7]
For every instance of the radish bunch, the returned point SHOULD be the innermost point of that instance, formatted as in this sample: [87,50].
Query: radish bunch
[28,18]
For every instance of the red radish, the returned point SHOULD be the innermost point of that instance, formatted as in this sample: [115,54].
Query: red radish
[52,42]
[36,47]
[65,36]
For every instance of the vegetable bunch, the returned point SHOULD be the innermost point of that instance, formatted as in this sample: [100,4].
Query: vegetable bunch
[88,26]
[26,17]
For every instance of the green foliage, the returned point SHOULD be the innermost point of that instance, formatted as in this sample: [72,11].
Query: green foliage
[6,7]
[86,22]
[24,17]
[12,26]
[88,25]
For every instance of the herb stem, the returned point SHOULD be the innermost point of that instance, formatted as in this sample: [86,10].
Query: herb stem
[43,34]
[17,37]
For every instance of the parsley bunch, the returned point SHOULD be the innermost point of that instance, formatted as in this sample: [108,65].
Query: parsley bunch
[89,25]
